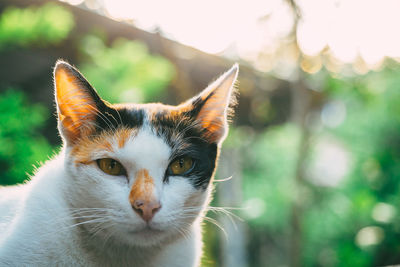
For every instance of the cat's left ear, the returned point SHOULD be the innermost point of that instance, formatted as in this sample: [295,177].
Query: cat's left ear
[211,106]
[78,103]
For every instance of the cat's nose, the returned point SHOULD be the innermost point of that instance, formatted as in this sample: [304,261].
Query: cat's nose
[146,209]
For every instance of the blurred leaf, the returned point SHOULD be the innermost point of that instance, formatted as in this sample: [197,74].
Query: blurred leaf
[125,72]
[22,145]
[48,24]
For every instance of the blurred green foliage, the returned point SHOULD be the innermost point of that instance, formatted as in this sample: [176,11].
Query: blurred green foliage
[22,146]
[125,71]
[371,133]
[353,223]
[48,24]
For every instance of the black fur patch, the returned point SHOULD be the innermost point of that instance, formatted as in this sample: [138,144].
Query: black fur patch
[110,118]
[184,136]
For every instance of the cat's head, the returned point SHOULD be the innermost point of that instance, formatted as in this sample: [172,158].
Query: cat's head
[141,173]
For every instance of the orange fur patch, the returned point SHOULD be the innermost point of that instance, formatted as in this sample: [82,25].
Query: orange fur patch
[76,109]
[122,136]
[217,97]
[142,188]
[86,146]
[212,116]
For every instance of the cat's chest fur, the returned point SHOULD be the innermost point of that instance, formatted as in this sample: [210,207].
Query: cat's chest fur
[130,186]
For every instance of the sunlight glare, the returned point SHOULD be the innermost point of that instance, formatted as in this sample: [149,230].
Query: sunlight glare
[311,38]
[121,9]
[371,235]
[73,2]
[311,29]
[383,212]
[333,113]
[211,26]
[331,164]
[360,31]
[351,28]
[254,208]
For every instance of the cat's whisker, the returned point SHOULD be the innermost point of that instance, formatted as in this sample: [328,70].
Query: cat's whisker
[183,231]
[97,228]
[186,214]
[216,223]
[182,227]
[64,228]
[77,216]
[110,234]
[85,217]
[86,222]
[83,115]
[91,213]
[91,210]
[105,118]
[224,179]
[119,115]
[230,218]
[101,227]
[97,220]
[112,116]
[88,211]
[186,211]
[226,211]
[180,231]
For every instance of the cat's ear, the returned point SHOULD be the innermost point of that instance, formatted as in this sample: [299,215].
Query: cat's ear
[211,106]
[77,102]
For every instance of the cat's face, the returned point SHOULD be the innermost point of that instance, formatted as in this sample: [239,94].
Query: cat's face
[139,173]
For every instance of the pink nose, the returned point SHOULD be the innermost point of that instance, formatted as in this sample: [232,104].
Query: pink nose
[146,209]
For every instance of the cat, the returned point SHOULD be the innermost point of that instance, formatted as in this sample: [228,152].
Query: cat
[129,187]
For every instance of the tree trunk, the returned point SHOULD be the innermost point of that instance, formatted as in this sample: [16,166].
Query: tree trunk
[233,241]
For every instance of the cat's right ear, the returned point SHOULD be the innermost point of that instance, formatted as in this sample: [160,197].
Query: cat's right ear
[77,102]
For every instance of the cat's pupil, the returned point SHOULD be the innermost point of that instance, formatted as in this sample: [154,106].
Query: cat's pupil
[181,162]
[112,164]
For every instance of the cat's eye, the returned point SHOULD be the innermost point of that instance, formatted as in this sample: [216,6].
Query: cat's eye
[181,166]
[111,166]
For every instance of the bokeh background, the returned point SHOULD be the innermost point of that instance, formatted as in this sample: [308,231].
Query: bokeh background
[310,172]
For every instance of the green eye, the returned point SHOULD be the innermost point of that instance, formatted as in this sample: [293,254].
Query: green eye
[111,166]
[181,165]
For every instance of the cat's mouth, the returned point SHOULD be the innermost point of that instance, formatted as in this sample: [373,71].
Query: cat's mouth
[146,230]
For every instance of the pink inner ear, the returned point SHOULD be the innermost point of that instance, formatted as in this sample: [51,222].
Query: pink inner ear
[76,109]
[213,114]
[214,123]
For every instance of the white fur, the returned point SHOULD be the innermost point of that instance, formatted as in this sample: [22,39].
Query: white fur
[38,228]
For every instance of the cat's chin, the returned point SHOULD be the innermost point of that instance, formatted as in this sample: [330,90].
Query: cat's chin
[146,231]
[148,236]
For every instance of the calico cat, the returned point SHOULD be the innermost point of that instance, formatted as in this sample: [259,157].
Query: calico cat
[128,188]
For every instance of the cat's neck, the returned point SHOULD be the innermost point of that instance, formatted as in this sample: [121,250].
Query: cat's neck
[112,252]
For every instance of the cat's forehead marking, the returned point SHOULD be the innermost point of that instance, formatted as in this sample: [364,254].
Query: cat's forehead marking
[106,141]
[123,135]
[86,147]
